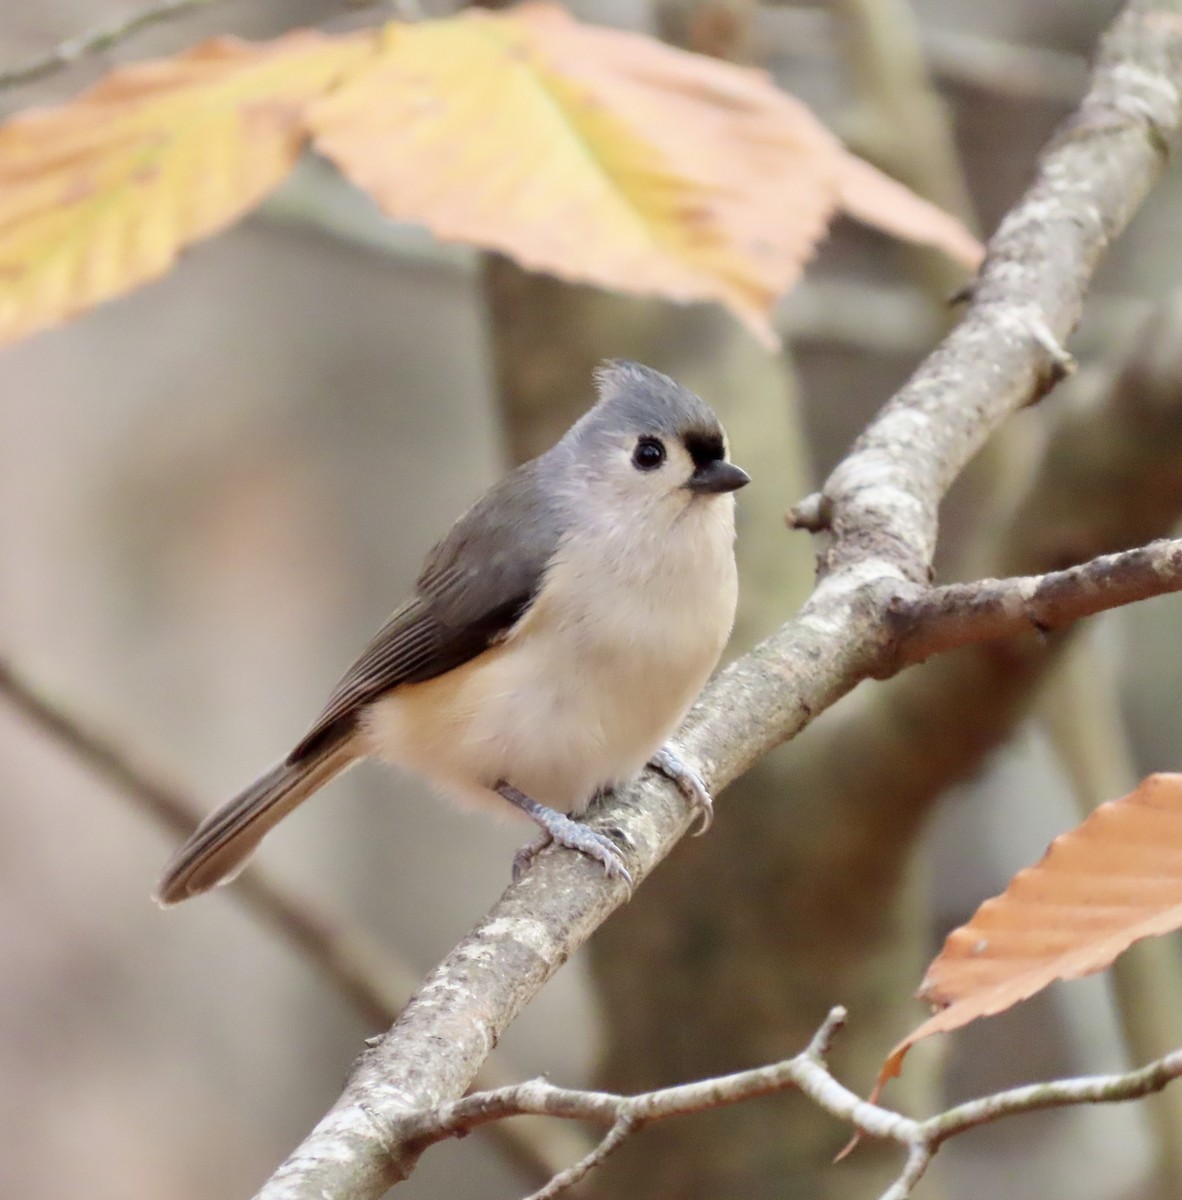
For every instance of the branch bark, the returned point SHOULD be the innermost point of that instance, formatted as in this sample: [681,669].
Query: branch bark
[882,503]
[816,872]
[944,618]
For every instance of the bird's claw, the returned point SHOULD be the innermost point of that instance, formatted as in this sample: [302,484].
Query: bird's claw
[526,855]
[689,783]
[568,832]
[574,835]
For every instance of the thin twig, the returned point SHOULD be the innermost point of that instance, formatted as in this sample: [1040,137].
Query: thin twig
[625,1115]
[95,41]
[374,981]
[919,1158]
[615,1137]
[1060,1093]
[104,37]
[808,1073]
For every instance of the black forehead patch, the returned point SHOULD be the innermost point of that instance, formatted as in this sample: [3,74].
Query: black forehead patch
[704,446]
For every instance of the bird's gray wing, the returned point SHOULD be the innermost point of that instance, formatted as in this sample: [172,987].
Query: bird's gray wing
[474,586]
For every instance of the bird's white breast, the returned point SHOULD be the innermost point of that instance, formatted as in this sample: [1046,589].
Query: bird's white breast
[628,625]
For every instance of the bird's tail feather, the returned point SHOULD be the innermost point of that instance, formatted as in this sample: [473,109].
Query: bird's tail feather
[218,848]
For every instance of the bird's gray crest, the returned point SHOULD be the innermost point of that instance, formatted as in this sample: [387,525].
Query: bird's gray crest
[635,399]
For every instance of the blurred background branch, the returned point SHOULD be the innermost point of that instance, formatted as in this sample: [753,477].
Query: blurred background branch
[378,984]
[953,55]
[375,981]
[95,41]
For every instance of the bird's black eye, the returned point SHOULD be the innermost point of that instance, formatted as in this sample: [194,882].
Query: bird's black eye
[649,454]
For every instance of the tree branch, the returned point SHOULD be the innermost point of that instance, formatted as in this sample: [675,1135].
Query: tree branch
[808,1073]
[95,41]
[941,619]
[883,499]
[373,980]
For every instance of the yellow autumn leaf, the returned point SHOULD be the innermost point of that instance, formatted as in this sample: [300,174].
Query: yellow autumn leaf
[99,195]
[595,154]
[605,157]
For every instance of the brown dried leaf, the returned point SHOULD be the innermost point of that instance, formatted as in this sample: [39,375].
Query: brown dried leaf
[1115,879]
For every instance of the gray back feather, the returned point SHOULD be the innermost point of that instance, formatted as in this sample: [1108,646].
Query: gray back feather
[474,586]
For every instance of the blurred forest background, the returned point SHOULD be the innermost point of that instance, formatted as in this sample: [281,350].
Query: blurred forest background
[213,491]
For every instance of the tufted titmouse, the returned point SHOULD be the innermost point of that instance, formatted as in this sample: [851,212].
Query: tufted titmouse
[554,640]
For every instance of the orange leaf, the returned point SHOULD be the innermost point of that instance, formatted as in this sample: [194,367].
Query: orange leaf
[606,157]
[100,194]
[1101,887]
[876,199]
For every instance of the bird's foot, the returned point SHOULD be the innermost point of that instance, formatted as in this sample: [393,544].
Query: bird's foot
[566,832]
[689,783]
[526,855]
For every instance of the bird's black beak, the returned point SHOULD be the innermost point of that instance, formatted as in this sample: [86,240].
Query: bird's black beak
[718,476]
